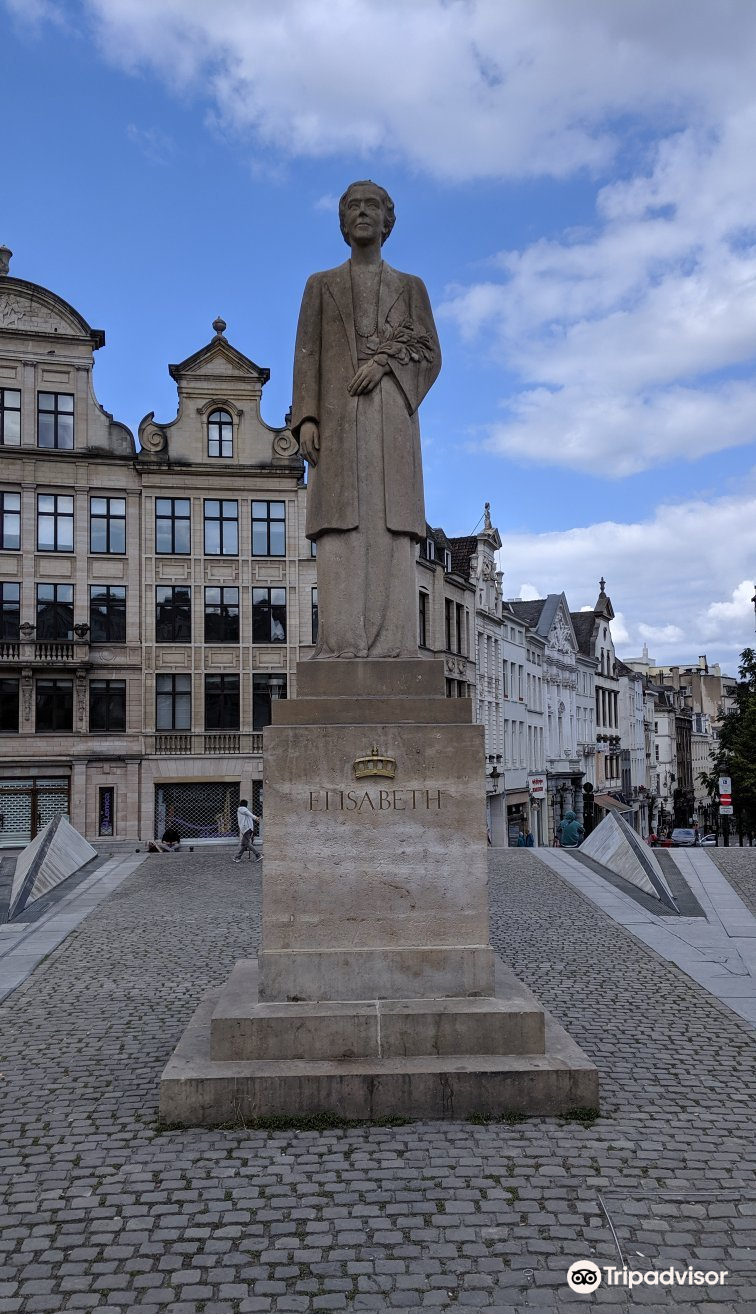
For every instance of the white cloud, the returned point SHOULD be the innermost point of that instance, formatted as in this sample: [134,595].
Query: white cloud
[721,617]
[633,341]
[155,145]
[627,336]
[461,88]
[667,576]
[327,203]
[664,634]
[620,632]
[32,13]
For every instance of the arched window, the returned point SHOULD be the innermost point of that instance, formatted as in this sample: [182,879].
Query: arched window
[220,434]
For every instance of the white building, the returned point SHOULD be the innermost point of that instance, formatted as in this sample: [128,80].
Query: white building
[549,619]
[632,717]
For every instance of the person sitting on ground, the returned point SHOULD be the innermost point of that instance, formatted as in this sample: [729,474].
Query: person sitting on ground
[170,843]
[570,831]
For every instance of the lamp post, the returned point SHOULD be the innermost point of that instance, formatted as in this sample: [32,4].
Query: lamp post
[494,776]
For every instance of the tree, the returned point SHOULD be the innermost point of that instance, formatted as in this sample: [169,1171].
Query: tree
[736,756]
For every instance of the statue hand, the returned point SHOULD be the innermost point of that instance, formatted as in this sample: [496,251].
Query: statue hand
[367,377]
[309,441]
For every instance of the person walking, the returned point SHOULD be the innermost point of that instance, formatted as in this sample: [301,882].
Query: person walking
[246,822]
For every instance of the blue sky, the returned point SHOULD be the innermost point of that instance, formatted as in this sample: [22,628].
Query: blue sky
[572,181]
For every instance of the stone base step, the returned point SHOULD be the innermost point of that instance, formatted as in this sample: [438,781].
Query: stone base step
[197,1090]
[242,1028]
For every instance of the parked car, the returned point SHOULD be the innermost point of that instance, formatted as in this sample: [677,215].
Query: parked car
[709,841]
[683,837]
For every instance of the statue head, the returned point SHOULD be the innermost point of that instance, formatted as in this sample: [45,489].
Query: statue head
[389,216]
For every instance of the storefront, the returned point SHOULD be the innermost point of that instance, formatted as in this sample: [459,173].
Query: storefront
[26,805]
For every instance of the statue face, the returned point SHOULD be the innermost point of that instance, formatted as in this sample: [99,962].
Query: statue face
[365,216]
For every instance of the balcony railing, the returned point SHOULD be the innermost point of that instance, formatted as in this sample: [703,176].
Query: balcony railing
[44,652]
[210,742]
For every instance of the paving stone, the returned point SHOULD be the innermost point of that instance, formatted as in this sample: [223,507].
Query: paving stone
[106,1211]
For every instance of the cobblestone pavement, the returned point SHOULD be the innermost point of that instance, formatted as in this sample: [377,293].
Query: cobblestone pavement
[739,866]
[107,1213]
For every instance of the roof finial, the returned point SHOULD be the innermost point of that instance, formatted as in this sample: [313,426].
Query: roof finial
[5,259]
[602,584]
[487,516]
[220,326]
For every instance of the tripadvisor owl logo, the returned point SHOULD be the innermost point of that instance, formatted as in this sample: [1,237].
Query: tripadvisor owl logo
[583,1276]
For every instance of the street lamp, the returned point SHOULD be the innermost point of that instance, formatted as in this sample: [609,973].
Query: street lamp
[495,776]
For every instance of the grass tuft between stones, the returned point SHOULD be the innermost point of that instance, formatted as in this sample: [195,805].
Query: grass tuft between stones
[285,1122]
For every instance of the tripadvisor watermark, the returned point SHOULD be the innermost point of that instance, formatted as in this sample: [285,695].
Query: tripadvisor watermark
[584,1277]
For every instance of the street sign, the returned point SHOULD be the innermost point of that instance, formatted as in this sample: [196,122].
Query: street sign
[725,800]
[725,785]
[725,810]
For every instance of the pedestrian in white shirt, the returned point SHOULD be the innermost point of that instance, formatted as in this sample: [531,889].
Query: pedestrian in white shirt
[246,822]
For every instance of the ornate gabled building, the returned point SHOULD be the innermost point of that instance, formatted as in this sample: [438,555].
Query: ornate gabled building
[567,684]
[508,694]
[154,601]
[595,642]
[446,604]
[229,588]
[70,655]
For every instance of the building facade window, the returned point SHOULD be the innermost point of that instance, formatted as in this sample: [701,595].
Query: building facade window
[10,611]
[55,611]
[459,617]
[55,522]
[107,705]
[221,615]
[221,528]
[10,522]
[107,524]
[8,707]
[269,615]
[54,706]
[173,702]
[266,689]
[10,417]
[222,706]
[55,420]
[220,434]
[268,529]
[422,618]
[448,623]
[314,614]
[107,613]
[173,614]
[173,526]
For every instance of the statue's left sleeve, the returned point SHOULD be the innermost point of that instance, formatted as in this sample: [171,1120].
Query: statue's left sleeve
[417,366]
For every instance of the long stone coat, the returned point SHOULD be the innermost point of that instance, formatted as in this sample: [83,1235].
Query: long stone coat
[324,365]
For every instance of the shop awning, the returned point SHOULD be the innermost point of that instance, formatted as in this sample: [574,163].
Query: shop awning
[610,804]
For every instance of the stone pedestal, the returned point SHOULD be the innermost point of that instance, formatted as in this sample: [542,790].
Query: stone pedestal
[376,991]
